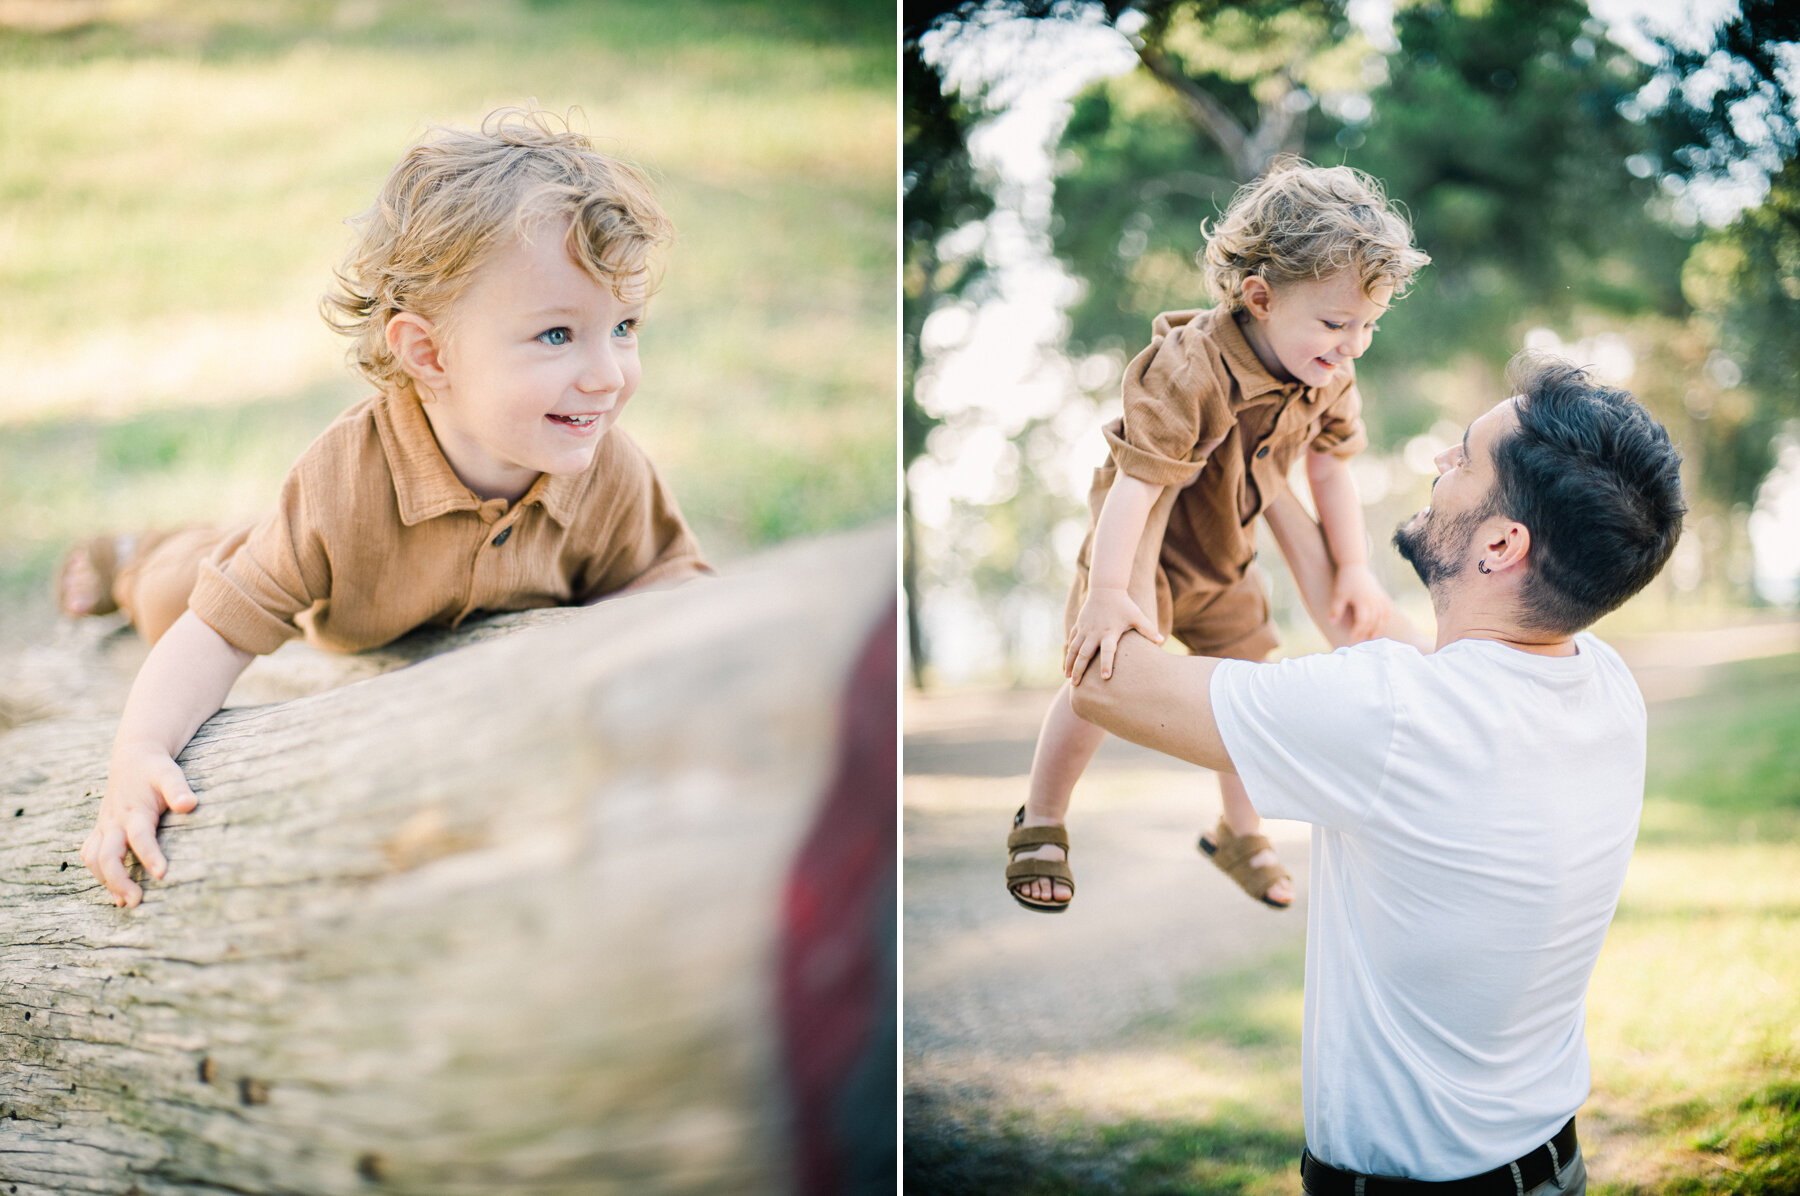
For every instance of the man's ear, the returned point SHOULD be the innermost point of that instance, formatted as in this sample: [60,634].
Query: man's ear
[1256,292]
[416,344]
[1506,545]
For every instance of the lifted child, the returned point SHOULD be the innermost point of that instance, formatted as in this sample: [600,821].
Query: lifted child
[494,298]
[1301,266]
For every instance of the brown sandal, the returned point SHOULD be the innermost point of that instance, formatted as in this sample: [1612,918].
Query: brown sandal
[1019,872]
[1233,853]
[106,555]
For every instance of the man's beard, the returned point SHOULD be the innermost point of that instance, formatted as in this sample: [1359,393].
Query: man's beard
[1436,555]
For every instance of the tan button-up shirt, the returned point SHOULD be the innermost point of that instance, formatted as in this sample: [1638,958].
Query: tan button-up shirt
[1204,415]
[375,535]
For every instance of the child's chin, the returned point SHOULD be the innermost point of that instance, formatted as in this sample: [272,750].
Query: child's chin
[575,460]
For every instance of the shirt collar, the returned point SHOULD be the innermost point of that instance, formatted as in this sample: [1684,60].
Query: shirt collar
[1253,377]
[425,485]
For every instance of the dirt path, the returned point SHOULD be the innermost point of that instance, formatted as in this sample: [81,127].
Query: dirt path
[1007,1009]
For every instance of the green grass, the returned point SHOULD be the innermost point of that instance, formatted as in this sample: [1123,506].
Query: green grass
[1693,1013]
[172,202]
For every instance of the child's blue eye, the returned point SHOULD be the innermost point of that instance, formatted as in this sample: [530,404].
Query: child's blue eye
[555,336]
[1332,326]
[625,328]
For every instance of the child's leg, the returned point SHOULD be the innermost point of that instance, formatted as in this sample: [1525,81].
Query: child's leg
[1065,746]
[1243,820]
[153,588]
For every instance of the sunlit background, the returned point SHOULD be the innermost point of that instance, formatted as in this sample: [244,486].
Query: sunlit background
[1616,183]
[1571,199]
[174,180]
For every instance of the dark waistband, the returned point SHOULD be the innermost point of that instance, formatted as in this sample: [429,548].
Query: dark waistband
[1509,1179]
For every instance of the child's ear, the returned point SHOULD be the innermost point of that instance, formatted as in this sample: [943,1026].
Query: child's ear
[414,342]
[1256,292]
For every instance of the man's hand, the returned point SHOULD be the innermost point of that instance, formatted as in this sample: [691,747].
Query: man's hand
[1357,598]
[144,782]
[1107,614]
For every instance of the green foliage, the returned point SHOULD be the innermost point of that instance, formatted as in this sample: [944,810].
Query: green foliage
[1139,178]
[1496,127]
[1745,281]
[1500,132]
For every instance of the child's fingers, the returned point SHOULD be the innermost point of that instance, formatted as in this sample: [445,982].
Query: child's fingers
[140,833]
[171,785]
[1109,648]
[109,866]
[1079,666]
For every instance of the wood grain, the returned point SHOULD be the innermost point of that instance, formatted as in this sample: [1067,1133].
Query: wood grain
[500,920]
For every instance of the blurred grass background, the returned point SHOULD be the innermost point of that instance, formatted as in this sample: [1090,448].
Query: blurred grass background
[173,187]
[1693,1013]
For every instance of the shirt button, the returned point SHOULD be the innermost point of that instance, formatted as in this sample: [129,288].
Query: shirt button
[1262,452]
[501,538]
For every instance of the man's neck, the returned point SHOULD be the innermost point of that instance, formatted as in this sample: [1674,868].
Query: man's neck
[1463,621]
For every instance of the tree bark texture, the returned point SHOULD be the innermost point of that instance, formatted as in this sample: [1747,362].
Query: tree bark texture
[504,920]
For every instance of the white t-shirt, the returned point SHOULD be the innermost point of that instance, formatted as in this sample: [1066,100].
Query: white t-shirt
[1473,812]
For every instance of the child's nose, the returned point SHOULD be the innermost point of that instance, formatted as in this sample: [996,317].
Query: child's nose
[601,373]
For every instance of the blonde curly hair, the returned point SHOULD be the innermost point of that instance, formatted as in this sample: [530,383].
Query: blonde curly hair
[457,196]
[1306,223]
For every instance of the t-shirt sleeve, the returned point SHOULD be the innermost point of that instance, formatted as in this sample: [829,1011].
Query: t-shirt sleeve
[1177,405]
[1310,736]
[252,596]
[1341,431]
[638,538]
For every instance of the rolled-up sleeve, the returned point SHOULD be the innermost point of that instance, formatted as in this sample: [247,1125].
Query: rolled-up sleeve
[1177,404]
[251,593]
[1341,431]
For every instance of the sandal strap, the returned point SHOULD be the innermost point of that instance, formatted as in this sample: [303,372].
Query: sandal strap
[1233,854]
[1240,850]
[1037,836]
[1037,869]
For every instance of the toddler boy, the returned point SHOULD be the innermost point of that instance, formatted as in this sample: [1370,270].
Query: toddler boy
[494,299]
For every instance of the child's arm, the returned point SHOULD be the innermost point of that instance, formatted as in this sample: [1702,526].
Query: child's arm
[1110,610]
[1355,594]
[182,684]
[1303,545]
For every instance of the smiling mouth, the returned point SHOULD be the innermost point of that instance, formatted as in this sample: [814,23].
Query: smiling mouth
[573,421]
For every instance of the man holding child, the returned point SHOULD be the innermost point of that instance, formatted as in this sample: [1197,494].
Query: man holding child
[1474,802]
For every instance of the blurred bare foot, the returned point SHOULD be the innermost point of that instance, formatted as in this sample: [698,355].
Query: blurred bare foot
[84,581]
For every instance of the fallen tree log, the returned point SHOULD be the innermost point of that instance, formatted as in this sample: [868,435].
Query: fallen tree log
[508,919]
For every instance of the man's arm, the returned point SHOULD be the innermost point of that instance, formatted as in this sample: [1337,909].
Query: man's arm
[1158,700]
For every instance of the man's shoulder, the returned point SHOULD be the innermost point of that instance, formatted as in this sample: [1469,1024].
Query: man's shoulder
[1360,673]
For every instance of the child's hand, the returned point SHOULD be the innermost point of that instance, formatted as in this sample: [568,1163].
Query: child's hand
[1356,597]
[1106,615]
[144,782]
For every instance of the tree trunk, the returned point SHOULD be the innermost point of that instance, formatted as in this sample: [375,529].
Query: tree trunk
[506,920]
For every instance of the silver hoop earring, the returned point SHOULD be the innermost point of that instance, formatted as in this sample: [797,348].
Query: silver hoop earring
[1482,565]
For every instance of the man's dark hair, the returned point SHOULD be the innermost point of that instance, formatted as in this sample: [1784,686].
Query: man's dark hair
[1594,477]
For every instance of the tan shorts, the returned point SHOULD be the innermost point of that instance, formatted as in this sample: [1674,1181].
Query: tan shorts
[1230,619]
